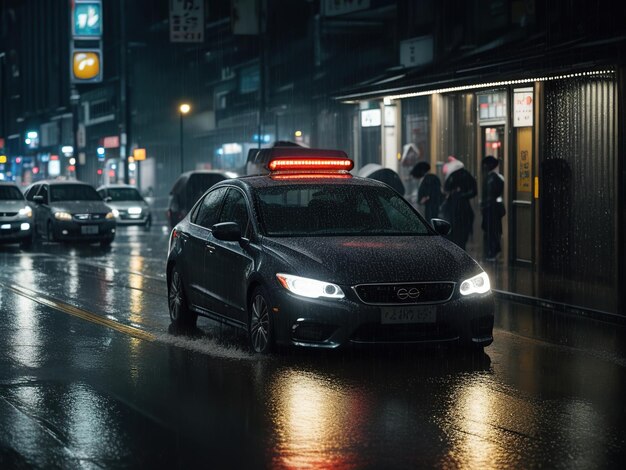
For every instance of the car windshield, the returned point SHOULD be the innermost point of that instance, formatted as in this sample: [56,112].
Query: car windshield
[124,194]
[331,209]
[73,192]
[10,193]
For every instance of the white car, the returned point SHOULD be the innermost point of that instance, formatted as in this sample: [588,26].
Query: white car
[128,206]
[16,216]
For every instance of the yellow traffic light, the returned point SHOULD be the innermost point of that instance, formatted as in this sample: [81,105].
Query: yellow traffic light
[86,65]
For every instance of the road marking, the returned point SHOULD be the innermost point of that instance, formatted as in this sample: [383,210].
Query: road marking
[80,313]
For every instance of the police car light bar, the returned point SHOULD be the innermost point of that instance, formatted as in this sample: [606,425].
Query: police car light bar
[309,163]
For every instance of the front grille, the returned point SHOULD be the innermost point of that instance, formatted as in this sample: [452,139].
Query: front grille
[8,214]
[405,293]
[377,333]
[89,216]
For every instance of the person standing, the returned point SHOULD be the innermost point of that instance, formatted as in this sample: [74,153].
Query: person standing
[429,190]
[492,207]
[459,187]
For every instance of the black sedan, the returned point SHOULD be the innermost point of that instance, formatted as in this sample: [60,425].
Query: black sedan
[71,211]
[319,258]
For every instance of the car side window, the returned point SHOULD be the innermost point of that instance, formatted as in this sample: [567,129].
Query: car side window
[208,210]
[236,210]
[44,192]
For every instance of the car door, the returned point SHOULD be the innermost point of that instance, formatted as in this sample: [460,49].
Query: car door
[203,217]
[230,261]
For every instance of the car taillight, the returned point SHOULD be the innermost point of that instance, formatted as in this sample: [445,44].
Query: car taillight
[173,237]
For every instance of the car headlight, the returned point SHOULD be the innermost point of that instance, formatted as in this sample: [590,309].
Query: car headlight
[476,285]
[134,210]
[26,212]
[112,214]
[309,287]
[63,216]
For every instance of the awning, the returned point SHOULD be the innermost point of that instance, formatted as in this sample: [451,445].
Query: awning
[487,68]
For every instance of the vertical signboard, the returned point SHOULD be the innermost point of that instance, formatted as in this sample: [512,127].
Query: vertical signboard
[523,107]
[186,20]
[86,42]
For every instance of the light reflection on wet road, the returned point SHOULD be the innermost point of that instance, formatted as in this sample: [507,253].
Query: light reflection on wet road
[76,392]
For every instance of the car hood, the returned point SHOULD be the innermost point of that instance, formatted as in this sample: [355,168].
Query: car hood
[350,261]
[11,206]
[124,205]
[81,207]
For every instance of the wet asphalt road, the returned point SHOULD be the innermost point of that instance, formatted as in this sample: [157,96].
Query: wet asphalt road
[92,376]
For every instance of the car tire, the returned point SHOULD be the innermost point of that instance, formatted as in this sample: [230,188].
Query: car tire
[180,314]
[106,242]
[50,233]
[27,242]
[260,324]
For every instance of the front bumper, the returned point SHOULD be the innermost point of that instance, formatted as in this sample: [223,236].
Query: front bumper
[76,231]
[124,218]
[11,230]
[328,323]
[129,220]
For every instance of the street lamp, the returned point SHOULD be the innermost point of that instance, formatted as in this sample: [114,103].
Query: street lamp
[183,109]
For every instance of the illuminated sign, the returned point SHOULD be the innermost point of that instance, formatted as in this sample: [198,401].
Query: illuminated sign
[86,66]
[111,142]
[139,154]
[370,118]
[87,19]
[523,107]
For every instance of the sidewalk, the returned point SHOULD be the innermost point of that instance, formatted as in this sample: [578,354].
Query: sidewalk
[522,283]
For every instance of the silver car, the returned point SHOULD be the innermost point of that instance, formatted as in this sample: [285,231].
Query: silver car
[16,217]
[128,206]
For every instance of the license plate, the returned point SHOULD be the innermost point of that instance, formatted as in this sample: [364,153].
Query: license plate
[425,314]
[89,230]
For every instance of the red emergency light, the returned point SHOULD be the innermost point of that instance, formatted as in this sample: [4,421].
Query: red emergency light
[310,163]
[317,175]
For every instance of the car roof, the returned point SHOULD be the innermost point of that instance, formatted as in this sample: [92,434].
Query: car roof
[266,181]
[59,182]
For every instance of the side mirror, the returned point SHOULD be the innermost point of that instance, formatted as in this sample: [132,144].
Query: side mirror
[227,231]
[108,199]
[38,199]
[442,227]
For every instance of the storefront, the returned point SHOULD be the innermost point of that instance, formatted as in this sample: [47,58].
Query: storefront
[556,138]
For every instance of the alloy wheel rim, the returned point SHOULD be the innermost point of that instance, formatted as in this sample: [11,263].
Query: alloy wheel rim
[175,296]
[259,324]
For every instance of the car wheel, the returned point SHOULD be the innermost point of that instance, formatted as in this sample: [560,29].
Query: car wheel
[50,234]
[27,243]
[180,315]
[260,325]
[106,242]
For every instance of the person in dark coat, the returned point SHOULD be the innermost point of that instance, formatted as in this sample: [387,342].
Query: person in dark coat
[492,207]
[429,191]
[459,187]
